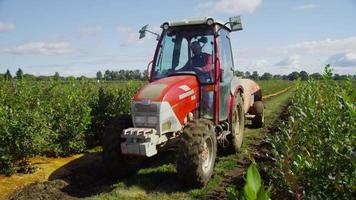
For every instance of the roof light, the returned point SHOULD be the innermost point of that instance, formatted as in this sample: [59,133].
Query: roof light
[210,22]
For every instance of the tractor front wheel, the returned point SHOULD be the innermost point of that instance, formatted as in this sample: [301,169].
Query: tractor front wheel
[197,153]
[117,164]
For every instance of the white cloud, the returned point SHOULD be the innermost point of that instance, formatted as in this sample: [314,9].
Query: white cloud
[128,36]
[89,31]
[260,63]
[231,6]
[290,62]
[306,7]
[327,46]
[46,48]
[343,60]
[6,27]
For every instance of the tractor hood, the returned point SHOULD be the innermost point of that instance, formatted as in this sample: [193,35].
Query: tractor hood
[181,92]
[171,89]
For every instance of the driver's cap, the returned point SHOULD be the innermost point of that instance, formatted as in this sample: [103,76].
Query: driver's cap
[195,45]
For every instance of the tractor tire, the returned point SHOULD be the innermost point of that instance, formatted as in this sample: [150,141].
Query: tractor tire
[237,124]
[117,164]
[258,110]
[197,153]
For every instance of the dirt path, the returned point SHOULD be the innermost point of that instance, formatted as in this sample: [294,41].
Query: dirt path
[257,149]
[85,176]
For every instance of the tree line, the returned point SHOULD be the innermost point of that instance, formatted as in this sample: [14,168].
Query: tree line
[108,75]
[123,75]
[303,75]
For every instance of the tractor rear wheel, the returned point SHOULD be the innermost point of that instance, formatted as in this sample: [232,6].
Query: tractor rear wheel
[117,164]
[237,124]
[258,111]
[197,153]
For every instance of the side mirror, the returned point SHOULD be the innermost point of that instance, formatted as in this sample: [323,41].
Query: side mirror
[235,23]
[143,31]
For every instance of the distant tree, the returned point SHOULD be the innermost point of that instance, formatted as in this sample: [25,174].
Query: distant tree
[247,74]
[285,77]
[277,77]
[145,75]
[304,75]
[108,75]
[29,77]
[239,73]
[337,77]
[343,77]
[266,76]
[7,75]
[19,74]
[82,78]
[293,76]
[99,76]
[70,78]
[255,75]
[316,76]
[56,76]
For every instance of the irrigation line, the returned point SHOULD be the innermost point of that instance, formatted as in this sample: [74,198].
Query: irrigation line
[277,93]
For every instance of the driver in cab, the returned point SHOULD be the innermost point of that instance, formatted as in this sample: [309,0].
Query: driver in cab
[200,61]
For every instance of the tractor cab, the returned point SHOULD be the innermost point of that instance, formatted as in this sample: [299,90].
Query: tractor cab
[199,48]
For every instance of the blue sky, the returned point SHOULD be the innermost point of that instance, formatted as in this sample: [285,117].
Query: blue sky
[81,37]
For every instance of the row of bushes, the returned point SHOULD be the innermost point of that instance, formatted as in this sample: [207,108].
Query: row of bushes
[56,118]
[315,148]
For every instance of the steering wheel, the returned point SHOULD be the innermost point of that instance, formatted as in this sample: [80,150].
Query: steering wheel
[201,75]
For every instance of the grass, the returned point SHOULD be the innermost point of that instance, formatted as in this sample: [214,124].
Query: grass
[273,86]
[158,180]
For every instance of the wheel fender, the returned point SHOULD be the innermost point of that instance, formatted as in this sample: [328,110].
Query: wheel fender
[241,85]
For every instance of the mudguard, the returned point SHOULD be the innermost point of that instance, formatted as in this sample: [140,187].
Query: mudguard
[248,88]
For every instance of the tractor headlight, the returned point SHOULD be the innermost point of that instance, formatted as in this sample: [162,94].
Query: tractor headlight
[152,120]
[166,126]
[140,119]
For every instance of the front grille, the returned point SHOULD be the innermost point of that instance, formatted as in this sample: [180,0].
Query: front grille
[150,108]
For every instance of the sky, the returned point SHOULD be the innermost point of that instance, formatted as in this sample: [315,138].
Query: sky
[81,37]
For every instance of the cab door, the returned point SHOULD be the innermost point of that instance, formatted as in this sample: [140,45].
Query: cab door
[227,67]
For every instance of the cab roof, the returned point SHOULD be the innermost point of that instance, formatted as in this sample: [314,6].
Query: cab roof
[195,21]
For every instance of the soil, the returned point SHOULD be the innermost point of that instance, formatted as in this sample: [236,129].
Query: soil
[83,177]
[42,190]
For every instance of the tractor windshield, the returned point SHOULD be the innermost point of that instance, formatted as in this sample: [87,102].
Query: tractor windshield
[186,49]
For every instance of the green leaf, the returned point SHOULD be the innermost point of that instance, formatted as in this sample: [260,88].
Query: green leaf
[262,194]
[253,182]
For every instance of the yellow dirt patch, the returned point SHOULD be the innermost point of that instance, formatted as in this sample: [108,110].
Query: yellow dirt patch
[46,166]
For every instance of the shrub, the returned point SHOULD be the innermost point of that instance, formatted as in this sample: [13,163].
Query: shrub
[315,148]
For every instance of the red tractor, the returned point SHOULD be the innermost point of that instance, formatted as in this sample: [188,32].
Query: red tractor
[193,102]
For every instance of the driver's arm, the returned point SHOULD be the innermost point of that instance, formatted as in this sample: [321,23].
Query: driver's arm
[209,64]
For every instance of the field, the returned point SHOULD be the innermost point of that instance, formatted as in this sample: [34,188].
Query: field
[84,176]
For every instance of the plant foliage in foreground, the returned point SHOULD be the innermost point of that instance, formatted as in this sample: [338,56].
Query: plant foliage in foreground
[56,118]
[315,148]
[253,189]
